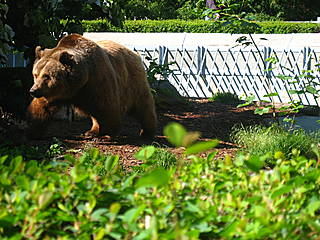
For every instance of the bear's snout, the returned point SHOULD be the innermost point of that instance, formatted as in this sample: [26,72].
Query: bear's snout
[36,92]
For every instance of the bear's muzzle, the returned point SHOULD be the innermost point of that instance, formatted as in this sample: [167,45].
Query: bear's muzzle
[36,92]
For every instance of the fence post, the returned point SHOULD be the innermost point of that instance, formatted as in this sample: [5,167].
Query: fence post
[163,59]
[201,68]
[163,55]
[267,64]
[306,58]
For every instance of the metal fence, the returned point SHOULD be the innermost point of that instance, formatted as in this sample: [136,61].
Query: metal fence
[201,71]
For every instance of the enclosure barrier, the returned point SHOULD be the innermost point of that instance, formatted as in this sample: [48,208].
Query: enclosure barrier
[202,71]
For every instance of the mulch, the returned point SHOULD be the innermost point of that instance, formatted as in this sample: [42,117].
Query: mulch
[213,120]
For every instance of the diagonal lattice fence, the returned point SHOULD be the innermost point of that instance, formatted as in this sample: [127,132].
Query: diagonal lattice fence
[200,72]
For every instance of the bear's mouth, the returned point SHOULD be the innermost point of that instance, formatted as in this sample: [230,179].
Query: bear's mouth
[36,93]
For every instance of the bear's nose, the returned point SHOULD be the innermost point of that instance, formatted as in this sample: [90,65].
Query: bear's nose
[36,93]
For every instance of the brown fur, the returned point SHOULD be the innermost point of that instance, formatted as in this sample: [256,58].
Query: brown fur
[105,81]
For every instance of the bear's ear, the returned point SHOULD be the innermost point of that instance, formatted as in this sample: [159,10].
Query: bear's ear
[67,59]
[38,52]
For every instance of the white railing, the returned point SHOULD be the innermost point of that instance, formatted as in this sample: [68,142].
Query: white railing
[200,72]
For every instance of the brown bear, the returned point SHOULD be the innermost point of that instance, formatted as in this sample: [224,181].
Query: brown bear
[103,80]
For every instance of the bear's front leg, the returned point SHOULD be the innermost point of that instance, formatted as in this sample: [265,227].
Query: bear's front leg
[39,113]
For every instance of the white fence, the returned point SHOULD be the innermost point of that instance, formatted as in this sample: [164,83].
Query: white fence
[200,71]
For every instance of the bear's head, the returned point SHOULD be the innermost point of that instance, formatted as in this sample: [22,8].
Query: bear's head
[53,73]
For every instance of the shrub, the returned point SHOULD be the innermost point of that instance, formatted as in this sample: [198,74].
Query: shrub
[99,26]
[204,199]
[225,97]
[202,26]
[288,27]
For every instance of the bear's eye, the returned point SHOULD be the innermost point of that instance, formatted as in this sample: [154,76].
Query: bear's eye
[46,77]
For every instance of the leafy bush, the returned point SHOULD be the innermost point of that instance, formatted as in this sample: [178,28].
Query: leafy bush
[195,199]
[288,27]
[202,26]
[225,97]
[99,26]
[6,34]
[260,140]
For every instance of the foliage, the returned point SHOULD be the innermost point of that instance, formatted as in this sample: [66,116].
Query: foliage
[288,27]
[195,199]
[6,33]
[199,26]
[304,10]
[225,97]
[153,157]
[262,17]
[101,25]
[292,10]
[309,82]
[39,22]
[259,141]
[166,9]
[164,93]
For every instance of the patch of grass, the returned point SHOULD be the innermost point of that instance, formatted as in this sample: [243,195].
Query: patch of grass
[155,158]
[225,97]
[260,140]
[164,158]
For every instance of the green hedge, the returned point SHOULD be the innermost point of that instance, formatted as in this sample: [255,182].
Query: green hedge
[200,26]
[92,197]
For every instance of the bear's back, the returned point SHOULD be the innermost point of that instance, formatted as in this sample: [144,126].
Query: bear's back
[69,41]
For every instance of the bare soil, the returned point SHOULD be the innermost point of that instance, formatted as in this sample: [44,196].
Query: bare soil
[213,120]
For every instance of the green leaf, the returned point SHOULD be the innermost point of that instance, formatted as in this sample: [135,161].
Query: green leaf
[132,214]
[115,208]
[155,178]
[271,95]
[22,182]
[145,153]
[311,90]
[100,234]
[45,199]
[16,163]
[255,163]
[175,133]
[284,77]
[3,159]
[111,162]
[249,100]
[98,214]
[313,206]
[78,173]
[262,111]
[192,208]
[32,167]
[280,191]
[201,147]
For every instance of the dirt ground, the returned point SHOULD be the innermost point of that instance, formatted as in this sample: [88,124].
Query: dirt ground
[212,120]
